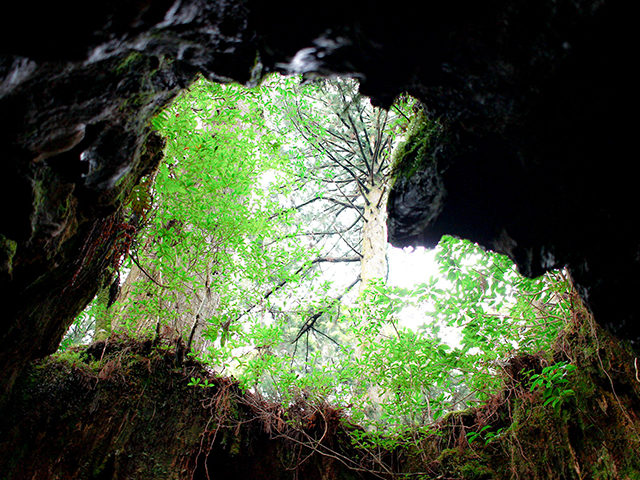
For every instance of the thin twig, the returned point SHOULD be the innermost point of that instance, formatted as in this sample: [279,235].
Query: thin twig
[145,272]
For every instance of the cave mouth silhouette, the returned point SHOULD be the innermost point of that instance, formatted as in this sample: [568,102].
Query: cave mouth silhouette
[533,161]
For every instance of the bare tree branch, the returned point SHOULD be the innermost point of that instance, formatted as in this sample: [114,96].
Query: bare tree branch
[337,259]
[309,324]
[145,272]
[282,283]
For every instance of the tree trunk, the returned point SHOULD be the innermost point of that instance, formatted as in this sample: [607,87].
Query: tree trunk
[132,298]
[102,315]
[374,266]
[146,304]
[374,236]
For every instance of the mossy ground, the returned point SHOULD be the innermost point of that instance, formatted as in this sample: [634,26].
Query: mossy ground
[124,409]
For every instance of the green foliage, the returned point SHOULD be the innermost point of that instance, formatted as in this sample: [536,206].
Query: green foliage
[221,253]
[71,357]
[81,330]
[199,382]
[552,382]
[485,434]
[422,139]
[474,315]
[212,216]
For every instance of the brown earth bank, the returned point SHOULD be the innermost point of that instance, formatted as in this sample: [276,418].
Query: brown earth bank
[124,409]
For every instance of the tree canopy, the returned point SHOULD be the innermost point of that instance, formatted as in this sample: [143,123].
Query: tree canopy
[246,242]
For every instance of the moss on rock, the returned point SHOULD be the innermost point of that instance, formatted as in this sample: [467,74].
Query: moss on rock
[424,136]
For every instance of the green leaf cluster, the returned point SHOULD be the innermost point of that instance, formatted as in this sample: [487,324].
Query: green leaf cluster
[552,381]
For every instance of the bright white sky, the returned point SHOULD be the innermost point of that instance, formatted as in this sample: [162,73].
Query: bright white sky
[409,266]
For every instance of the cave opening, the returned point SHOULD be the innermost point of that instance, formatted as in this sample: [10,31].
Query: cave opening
[248,244]
[529,158]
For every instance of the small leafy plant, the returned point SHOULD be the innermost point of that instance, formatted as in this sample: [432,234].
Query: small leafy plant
[199,382]
[485,434]
[553,380]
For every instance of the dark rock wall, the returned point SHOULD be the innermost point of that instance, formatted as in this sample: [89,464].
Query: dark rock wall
[534,161]
[533,157]
[125,410]
[76,97]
